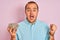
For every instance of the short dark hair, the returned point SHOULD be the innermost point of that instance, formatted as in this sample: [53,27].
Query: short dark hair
[31,2]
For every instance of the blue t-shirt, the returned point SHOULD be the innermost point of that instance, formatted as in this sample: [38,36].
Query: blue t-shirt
[36,31]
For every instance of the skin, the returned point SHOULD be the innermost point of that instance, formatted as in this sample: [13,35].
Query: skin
[53,28]
[31,12]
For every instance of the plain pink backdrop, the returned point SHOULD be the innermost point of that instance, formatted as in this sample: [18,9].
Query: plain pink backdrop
[12,11]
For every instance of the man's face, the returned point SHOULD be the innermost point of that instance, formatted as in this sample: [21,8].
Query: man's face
[31,12]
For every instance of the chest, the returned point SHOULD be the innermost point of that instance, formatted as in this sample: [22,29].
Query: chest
[33,32]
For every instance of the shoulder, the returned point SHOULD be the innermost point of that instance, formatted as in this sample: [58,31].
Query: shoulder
[43,24]
[20,25]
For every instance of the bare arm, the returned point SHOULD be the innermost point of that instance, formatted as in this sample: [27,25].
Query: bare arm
[51,37]
[52,31]
[13,38]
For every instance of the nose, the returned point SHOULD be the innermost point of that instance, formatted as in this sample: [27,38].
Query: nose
[31,12]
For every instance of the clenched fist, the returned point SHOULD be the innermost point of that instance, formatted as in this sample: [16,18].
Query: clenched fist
[53,28]
[12,28]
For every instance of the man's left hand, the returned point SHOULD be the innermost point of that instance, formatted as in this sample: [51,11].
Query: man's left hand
[53,28]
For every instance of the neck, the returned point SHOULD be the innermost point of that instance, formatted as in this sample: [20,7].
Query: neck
[31,22]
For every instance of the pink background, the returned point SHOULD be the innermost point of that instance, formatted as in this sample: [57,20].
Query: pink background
[12,11]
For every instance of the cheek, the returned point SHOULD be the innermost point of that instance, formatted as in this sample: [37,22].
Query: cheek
[27,14]
[35,14]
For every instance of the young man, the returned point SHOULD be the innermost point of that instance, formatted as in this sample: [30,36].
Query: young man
[32,28]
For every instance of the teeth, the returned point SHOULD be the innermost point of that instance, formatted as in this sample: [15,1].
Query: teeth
[31,17]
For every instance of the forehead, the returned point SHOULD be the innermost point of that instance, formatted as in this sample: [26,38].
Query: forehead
[31,5]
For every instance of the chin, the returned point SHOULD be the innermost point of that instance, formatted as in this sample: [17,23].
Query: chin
[32,21]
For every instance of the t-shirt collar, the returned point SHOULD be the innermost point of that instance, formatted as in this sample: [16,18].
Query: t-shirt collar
[26,20]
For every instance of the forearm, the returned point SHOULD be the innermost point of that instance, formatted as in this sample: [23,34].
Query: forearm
[13,38]
[51,37]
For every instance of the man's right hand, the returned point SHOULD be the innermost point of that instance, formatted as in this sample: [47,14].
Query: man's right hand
[12,28]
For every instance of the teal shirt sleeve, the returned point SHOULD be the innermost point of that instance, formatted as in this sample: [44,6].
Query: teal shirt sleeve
[17,38]
[18,34]
[47,33]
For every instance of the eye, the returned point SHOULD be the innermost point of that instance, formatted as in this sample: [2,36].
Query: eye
[34,10]
[28,10]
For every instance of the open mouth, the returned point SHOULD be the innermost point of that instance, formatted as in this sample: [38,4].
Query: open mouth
[31,17]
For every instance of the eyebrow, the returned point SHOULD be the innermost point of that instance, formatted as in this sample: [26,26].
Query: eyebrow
[29,8]
[34,8]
